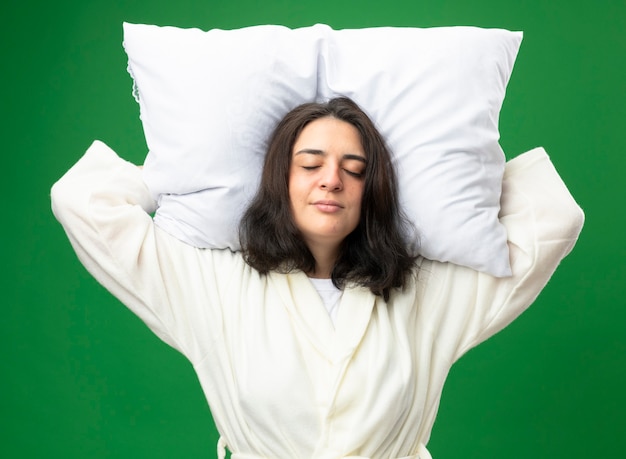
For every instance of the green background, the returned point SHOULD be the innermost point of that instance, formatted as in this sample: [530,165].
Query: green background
[83,378]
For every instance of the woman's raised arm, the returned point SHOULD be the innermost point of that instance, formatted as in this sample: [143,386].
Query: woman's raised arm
[104,207]
[543,222]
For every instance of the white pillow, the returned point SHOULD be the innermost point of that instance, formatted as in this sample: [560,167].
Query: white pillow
[436,95]
[209,100]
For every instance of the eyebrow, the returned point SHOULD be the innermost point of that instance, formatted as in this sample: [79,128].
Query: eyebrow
[312,151]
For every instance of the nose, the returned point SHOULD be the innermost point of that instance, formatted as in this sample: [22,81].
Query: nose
[331,179]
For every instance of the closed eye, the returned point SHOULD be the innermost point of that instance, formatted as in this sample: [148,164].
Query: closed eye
[355,174]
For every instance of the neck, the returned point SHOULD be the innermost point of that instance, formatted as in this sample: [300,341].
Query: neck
[325,258]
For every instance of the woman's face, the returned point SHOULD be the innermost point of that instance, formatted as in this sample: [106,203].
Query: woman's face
[326,181]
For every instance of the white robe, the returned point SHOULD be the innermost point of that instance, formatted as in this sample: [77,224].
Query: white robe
[280,380]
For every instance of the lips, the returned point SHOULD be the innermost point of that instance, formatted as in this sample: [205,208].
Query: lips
[328,206]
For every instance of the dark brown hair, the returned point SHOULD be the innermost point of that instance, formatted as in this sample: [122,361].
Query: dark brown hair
[375,254]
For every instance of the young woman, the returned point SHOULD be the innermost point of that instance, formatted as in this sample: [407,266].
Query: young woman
[327,203]
[324,338]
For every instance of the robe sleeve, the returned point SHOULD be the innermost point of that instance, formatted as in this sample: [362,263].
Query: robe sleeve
[104,207]
[543,222]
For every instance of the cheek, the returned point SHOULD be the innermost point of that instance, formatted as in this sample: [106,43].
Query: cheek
[296,196]
[358,196]
[298,189]
[293,193]
[357,203]
[291,187]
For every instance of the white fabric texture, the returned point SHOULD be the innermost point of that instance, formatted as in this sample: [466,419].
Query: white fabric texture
[209,100]
[280,380]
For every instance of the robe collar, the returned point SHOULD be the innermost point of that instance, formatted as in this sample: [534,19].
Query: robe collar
[309,314]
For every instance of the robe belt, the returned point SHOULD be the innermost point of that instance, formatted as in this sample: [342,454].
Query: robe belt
[422,453]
